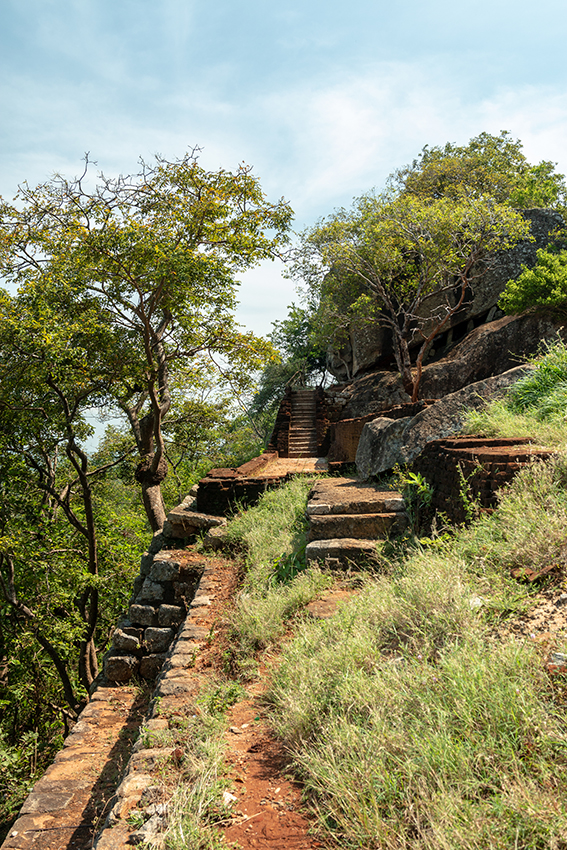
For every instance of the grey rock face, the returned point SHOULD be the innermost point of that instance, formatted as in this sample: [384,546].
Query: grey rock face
[446,417]
[170,615]
[125,642]
[151,592]
[121,668]
[184,522]
[379,445]
[164,570]
[145,615]
[150,665]
[489,350]
[377,452]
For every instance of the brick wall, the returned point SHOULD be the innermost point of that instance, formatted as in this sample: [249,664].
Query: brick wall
[485,464]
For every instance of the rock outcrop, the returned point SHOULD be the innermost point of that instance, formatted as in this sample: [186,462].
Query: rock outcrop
[369,346]
[486,351]
[384,442]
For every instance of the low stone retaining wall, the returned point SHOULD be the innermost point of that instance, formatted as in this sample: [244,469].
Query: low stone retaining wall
[344,435]
[60,812]
[479,465]
[219,494]
[176,689]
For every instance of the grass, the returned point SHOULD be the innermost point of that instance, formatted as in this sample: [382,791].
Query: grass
[199,771]
[412,720]
[535,407]
[276,582]
[409,724]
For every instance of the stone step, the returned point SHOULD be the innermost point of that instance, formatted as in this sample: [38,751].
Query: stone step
[358,526]
[341,553]
[350,496]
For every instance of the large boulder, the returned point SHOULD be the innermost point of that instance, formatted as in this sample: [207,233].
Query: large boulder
[382,446]
[489,350]
[486,351]
[447,416]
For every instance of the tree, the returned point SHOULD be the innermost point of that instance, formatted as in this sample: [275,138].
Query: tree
[391,254]
[156,256]
[489,166]
[544,285]
[51,372]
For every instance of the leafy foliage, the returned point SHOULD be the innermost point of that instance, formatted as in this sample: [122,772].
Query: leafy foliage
[388,256]
[492,166]
[544,285]
[154,257]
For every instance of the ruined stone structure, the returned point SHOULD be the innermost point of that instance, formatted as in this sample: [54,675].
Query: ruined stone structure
[464,470]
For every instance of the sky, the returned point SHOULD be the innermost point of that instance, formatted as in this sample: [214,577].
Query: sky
[323,99]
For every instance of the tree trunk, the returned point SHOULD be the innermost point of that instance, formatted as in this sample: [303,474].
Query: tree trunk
[154,506]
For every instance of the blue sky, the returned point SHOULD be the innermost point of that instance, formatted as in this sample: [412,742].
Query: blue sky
[324,99]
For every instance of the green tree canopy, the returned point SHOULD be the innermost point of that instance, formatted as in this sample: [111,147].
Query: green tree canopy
[156,256]
[407,259]
[52,371]
[488,165]
[387,255]
[544,285]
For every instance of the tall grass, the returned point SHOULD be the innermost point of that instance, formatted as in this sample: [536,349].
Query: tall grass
[276,583]
[273,529]
[200,779]
[535,407]
[410,726]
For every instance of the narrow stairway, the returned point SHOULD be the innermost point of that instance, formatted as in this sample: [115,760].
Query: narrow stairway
[347,517]
[303,425]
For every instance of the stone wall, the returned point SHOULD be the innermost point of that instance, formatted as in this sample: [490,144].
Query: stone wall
[344,434]
[479,465]
[162,595]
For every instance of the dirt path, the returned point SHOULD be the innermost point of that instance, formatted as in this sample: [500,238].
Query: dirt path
[267,811]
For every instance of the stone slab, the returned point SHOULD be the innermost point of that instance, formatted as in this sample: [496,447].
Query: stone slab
[340,553]
[351,496]
[363,526]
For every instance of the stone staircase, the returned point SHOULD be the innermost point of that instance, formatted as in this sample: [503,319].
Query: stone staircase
[303,428]
[347,517]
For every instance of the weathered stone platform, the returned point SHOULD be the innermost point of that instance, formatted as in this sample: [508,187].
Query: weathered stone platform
[347,516]
[222,489]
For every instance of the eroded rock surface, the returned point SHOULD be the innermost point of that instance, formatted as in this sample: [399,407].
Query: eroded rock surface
[376,453]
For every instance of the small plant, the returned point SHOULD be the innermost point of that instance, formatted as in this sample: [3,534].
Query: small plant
[136,818]
[220,698]
[471,505]
[417,493]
